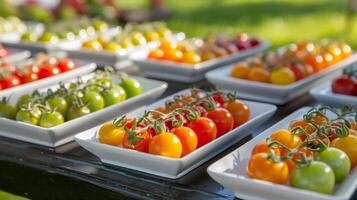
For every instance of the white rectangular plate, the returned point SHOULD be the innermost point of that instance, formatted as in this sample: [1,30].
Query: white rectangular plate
[168,167]
[64,133]
[230,171]
[324,94]
[108,58]
[274,93]
[189,73]
[82,68]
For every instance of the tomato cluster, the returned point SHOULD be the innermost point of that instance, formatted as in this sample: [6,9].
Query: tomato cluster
[313,154]
[346,84]
[43,66]
[292,64]
[180,127]
[70,101]
[214,46]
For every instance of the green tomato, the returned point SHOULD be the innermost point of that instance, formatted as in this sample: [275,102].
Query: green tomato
[7,110]
[105,82]
[112,96]
[337,160]
[132,87]
[29,116]
[77,111]
[120,90]
[23,100]
[318,177]
[51,119]
[93,100]
[59,104]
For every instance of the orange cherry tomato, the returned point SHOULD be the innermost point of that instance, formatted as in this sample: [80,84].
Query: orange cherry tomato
[205,130]
[349,146]
[166,144]
[286,138]
[264,148]
[304,125]
[172,55]
[167,45]
[110,134]
[187,137]
[141,145]
[282,76]
[328,59]
[156,54]
[260,167]
[346,50]
[239,110]
[191,58]
[240,70]
[316,61]
[223,120]
[354,125]
[259,74]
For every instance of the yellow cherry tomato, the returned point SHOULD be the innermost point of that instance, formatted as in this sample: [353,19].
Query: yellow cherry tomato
[240,70]
[110,134]
[282,76]
[349,146]
[166,144]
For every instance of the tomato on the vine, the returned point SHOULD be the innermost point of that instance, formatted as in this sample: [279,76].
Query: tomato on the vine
[65,65]
[223,120]
[187,137]
[166,144]
[205,130]
[7,110]
[345,85]
[50,119]
[9,81]
[140,144]
[264,148]
[349,146]
[110,134]
[239,110]
[286,138]
[48,71]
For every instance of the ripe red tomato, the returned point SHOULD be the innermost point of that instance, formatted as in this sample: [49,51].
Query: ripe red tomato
[223,120]
[345,85]
[26,75]
[65,65]
[299,71]
[205,130]
[141,145]
[9,81]
[48,71]
[218,99]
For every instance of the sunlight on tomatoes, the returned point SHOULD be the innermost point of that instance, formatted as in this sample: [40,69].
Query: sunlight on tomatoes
[166,144]
[239,110]
[188,139]
[110,134]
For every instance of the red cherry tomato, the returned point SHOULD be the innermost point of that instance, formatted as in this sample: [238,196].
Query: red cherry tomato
[345,85]
[141,145]
[9,81]
[218,99]
[239,110]
[48,71]
[26,75]
[65,65]
[223,120]
[205,130]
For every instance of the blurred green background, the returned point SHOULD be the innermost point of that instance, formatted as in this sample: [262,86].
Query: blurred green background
[280,21]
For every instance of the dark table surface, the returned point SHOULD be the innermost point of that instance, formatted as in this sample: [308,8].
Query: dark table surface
[70,172]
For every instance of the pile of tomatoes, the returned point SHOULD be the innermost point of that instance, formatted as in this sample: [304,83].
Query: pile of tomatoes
[294,63]
[42,66]
[315,152]
[183,125]
[70,101]
[346,84]
[199,50]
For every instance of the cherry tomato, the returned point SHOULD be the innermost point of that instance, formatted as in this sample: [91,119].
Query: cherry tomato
[65,65]
[286,138]
[349,146]
[141,145]
[346,50]
[51,119]
[282,76]
[223,120]
[93,100]
[7,110]
[317,177]
[304,125]
[112,96]
[187,137]
[166,144]
[218,99]
[173,55]
[132,87]
[299,71]
[26,75]
[337,160]
[264,148]
[9,81]
[76,111]
[260,167]
[190,58]
[48,71]
[29,115]
[259,74]
[110,134]
[240,70]
[345,85]
[59,104]
[205,130]
[156,54]
[239,110]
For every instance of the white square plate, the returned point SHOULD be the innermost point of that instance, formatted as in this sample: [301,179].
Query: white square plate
[230,171]
[168,167]
[189,73]
[324,94]
[64,133]
[274,93]
[82,68]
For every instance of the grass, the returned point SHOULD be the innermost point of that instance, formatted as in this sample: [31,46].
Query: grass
[280,21]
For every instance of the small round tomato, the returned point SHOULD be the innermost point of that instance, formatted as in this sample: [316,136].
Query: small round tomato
[132,87]
[51,119]
[346,50]
[166,144]
[286,138]
[191,58]
[299,71]
[7,110]
[140,144]
[93,100]
[337,160]
[9,81]
[29,115]
[304,125]
[218,99]
[76,111]
[156,54]
[205,130]
[345,85]
[48,71]
[239,110]
[187,137]
[259,74]
[260,167]
[26,75]
[317,177]
[173,55]
[110,134]
[65,65]
[223,120]
[112,96]
[58,103]
[282,76]
[349,146]
[264,148]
